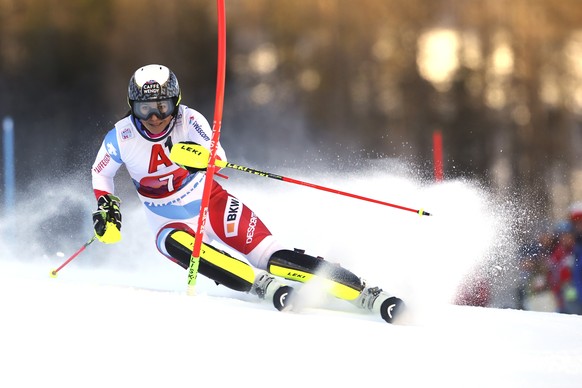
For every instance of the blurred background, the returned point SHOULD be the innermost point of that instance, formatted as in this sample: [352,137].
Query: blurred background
[312,81]
[502,80]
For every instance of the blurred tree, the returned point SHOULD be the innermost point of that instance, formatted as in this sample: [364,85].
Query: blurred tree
[501,78]
[51,69]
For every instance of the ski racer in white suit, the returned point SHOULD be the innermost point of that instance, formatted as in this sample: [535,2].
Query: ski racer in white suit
[160,143]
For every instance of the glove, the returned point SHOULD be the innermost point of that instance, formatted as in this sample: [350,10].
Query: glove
[107,219]
[191,156]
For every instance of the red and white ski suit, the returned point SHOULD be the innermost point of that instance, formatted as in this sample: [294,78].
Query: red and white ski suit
[171,196]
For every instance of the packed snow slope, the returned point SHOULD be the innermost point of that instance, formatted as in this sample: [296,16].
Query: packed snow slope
[119,316]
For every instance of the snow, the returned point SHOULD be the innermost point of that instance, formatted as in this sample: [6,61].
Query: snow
[119,315]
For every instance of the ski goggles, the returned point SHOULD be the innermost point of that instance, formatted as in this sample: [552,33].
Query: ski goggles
[145,109]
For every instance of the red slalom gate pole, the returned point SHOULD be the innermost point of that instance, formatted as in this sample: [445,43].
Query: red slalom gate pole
[55,271]
[211,170]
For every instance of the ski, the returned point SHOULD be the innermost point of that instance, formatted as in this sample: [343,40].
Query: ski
[291,299]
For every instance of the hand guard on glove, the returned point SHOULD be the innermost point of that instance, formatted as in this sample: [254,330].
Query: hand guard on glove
[191,156]
[107,219]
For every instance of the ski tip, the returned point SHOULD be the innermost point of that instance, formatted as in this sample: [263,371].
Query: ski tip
[53,273]
[391,308]
[282,298]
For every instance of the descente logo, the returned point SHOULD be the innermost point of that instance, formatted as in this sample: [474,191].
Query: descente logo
[251,228]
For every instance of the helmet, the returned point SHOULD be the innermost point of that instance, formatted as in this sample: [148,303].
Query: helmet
[153,90]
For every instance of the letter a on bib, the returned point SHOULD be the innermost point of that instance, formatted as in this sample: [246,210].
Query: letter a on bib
[157,158]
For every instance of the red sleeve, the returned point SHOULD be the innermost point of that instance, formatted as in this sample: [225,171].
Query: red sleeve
[99,193]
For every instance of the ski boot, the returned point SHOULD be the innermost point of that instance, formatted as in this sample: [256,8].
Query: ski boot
[266,286]
[378,301]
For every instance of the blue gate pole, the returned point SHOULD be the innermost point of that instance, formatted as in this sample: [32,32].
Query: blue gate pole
[8,131]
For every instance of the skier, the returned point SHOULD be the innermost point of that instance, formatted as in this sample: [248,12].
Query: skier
[164,146]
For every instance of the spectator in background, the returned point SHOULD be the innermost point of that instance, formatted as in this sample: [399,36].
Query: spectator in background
[527,255]
[560,265]
[475,290]
[532,287]
[573,295]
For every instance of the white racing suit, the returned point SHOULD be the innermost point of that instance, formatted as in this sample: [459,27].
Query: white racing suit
[171,196]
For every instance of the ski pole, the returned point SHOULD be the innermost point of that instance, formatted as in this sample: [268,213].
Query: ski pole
[54,271]
[221,164]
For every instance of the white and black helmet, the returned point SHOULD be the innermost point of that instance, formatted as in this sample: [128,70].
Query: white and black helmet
[153,90]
